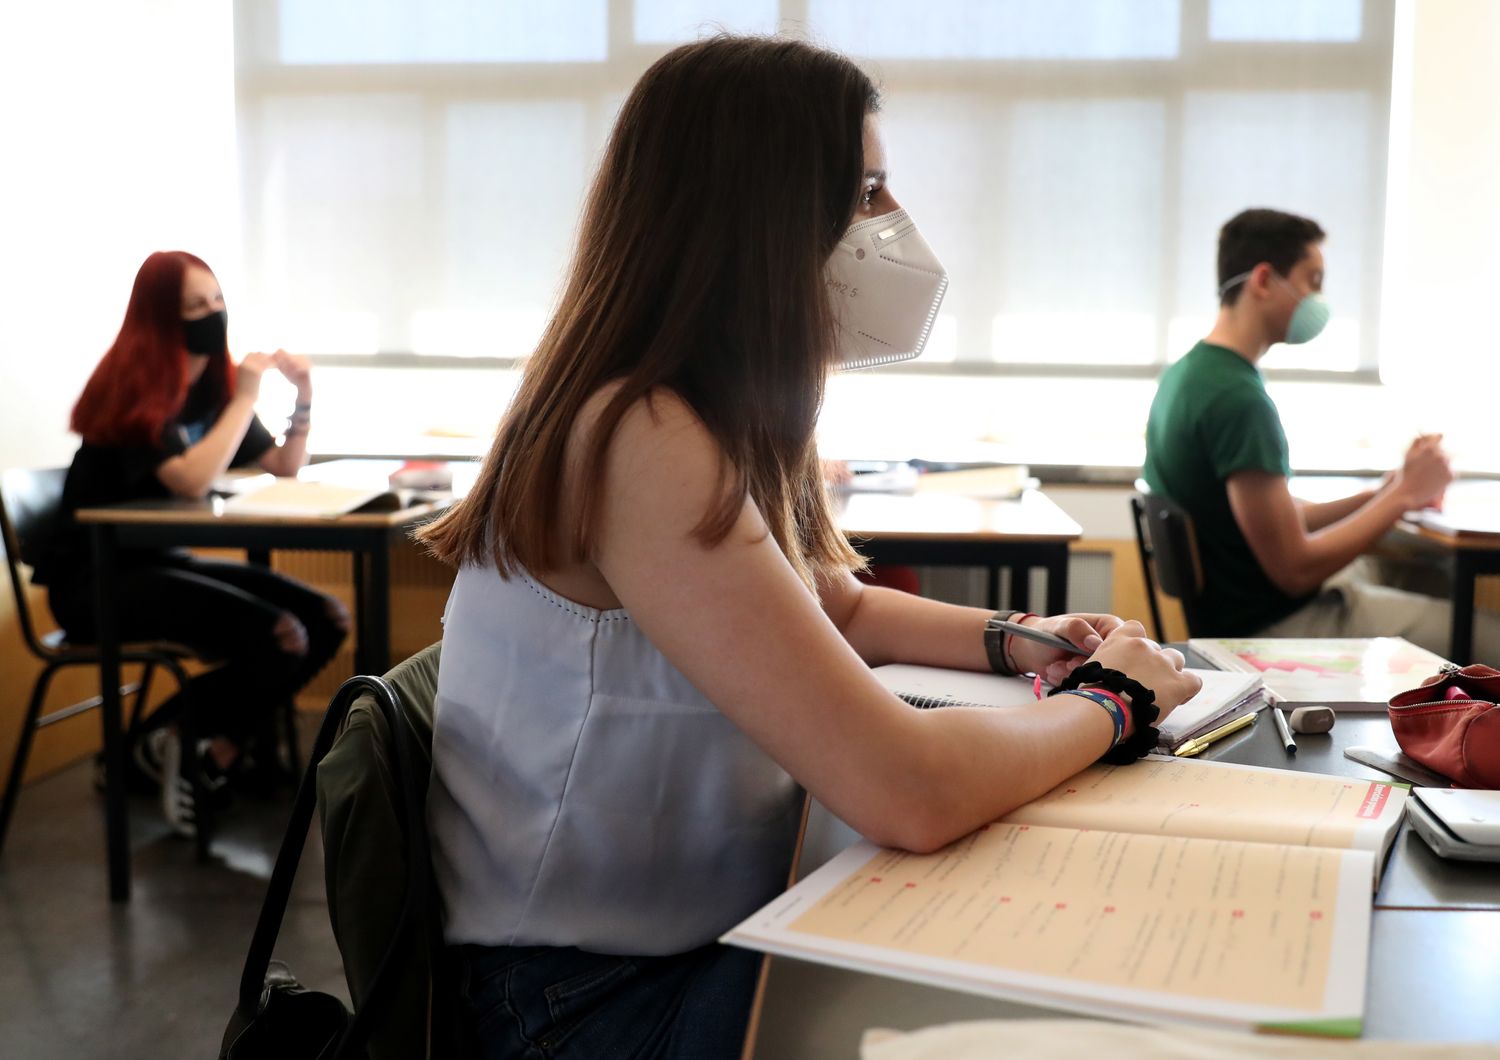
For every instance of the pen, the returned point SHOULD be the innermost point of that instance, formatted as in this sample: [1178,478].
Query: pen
[1193,747]
[1026,632]
[1284,732]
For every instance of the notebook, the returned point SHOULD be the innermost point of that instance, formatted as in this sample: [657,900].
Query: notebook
[1351,673]
[1224,695]
[1167,890]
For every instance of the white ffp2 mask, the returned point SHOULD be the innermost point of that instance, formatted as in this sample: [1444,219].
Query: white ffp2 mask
[885,285]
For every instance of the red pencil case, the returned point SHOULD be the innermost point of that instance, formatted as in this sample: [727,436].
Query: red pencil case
[1451,724]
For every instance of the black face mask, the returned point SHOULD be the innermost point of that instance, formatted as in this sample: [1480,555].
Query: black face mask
[206,335]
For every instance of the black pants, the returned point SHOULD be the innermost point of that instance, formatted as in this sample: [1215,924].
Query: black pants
[223,611]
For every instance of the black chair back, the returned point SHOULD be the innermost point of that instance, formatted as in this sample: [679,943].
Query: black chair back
[1169,555]
[30,510]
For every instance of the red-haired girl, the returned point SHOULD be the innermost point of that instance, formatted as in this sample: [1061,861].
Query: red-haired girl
[165,413]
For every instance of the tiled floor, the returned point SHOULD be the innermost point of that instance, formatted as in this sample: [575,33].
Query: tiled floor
[81,977]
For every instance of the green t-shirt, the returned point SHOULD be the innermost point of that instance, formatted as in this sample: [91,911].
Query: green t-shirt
[1211,418]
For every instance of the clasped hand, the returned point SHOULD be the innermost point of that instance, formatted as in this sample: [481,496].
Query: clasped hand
[296,368]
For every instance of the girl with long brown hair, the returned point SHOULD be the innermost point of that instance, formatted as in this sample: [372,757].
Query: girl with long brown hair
[655,640]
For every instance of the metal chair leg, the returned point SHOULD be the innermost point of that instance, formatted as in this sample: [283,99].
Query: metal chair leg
[1146,552]
[138,713]
[293,740]
[23,748]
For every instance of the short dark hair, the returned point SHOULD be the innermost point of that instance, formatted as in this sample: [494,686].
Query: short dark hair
[1254,236]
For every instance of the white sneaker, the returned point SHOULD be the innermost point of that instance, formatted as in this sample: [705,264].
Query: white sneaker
[176,789]
[149,751]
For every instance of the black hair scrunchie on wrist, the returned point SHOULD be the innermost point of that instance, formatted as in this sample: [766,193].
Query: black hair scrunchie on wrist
[1143,709]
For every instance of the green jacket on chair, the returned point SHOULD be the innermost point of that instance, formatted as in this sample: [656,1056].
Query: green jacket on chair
[365,863]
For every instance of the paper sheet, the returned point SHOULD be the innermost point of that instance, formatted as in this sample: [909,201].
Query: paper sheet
[1355,673]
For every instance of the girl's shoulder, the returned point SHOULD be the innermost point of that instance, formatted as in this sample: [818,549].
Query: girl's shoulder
[659,424]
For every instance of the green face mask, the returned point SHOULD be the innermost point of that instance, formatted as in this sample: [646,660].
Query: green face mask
[1308,319]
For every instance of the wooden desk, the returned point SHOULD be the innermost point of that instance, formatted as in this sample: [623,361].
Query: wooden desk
[1473,554]
[942,530]
[1473,545]
[187,523]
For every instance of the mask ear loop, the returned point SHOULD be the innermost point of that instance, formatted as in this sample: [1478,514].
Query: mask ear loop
[1234,281]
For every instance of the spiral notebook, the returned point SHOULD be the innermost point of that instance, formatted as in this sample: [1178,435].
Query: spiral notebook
[1225,694]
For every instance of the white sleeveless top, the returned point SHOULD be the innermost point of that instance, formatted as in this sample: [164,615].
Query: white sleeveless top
[584,793]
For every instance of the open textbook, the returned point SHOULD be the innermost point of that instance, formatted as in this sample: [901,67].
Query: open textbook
[997,483]
[296,497]
[1166,890]
[1224,695]
[1352,673]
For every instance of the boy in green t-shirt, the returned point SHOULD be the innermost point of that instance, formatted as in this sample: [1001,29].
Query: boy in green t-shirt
[1214,444]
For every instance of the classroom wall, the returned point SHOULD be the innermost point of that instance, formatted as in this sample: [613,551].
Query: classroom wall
[117,120]
[1442,269]
[119,139]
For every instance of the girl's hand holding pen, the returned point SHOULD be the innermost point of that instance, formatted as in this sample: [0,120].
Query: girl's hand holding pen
[1111,641]
[1086,632]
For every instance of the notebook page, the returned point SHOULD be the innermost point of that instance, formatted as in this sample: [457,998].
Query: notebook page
[1222,800]
[1167,928]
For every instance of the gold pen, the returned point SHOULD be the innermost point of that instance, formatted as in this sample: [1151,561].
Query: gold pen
[1195,746]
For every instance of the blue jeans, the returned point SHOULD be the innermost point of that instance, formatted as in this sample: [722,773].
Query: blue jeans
[559,1002]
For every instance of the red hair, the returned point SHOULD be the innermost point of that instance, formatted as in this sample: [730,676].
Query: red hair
[141,382]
